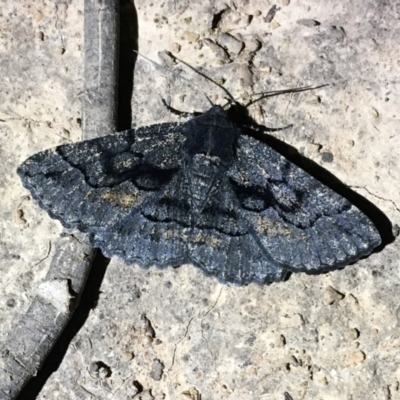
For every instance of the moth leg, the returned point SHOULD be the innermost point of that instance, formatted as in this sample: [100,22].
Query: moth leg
[263,129]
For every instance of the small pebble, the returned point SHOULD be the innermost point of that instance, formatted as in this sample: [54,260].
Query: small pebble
[218,51]
[327,156]
[309,23]
[275,25]
[353,334]
[253,45]
[18,216]
[294,361]
[145,395]
[374,113]
[191,37]
[36,14]
[232,44]
[166,59]
[146,340]
[356,357]
[231,20]
[104,372]
[127,356]
[331,295]
[271,14]
[175,48]
[386,392]
[312,148]
[40,36]
[157,370]
[349,143]
[280,341]
[191,394]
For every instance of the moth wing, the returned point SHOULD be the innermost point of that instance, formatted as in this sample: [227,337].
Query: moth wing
[155,235]
[221,245]
[93,184]
[238,259]
[299,222]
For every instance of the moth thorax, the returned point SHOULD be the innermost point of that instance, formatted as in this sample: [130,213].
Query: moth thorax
[204,173]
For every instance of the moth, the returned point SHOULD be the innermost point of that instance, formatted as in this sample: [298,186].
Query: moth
[204,192]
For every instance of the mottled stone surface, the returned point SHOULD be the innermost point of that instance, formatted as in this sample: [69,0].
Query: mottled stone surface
[332,336]
[40,106]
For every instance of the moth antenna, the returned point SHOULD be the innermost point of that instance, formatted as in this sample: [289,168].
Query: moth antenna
[175,74]
[284,91]
[203,75]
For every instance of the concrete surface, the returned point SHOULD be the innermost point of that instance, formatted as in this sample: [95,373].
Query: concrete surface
[175,334]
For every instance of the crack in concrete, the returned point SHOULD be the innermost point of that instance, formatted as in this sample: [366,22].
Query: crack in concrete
[45,257]
[188,326]
[124,380]
[88,392]
[58,29]
[202,329]
[179,341]
[29,121]
[209,350]
[378,197]
[14,278]
[214,305]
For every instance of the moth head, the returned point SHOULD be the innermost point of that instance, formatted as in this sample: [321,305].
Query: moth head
[237,112]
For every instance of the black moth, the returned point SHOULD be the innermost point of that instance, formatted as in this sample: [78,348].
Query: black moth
[200,192]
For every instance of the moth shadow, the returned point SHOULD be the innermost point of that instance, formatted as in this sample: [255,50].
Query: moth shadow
[128,45]
[380,220]
[87,303]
